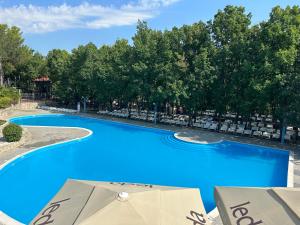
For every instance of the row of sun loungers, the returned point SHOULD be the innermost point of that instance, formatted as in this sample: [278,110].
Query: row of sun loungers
[133,115]
[56,109]
[258,127]
[258,131]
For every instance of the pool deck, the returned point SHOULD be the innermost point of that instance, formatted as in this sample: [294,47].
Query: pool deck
[42,136]
[297,168]
[39,137]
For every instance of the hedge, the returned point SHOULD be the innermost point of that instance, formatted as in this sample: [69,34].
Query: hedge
[8,96]
[12,132]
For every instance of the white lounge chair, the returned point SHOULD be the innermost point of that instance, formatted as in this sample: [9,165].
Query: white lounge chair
[213,126]
[207,125]
[257,133]
[197,124]
[248,132]
[240,129]
[289,135]
[261,124]
[263,129]
[276,135]
[232,128]
[267,134]
[253,124]
[224,128]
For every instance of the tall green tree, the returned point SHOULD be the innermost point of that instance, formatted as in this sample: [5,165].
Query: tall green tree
[281,39]
[11,47]
[230,29]
[196,71]
[33,66]
[83,64]
[58,64]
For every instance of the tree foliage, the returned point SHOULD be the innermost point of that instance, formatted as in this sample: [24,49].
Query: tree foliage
[225,64]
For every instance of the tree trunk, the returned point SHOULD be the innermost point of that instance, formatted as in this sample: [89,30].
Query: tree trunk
[155,113]
[129,110]
[1,74]
[283,130]
[84,105]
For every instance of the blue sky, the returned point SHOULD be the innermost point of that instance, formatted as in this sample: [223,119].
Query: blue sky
[65,24]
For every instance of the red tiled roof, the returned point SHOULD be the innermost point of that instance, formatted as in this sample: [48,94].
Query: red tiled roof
[43,78]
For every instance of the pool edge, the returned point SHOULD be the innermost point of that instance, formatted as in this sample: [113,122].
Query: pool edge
[213,214]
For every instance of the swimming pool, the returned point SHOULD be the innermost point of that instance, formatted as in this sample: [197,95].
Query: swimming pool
[127,153]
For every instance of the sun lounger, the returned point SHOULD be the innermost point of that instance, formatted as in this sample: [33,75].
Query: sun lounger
[213,126]
[260,124]
[289,135]
[267,134]
[232,128]
[240,130]
[207,125]
[276,135]
[224,128]
[263,129]
[257,133]
[248,132]
[197,124]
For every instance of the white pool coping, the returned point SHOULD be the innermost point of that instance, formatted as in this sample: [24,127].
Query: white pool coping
[6,219]
[57,143]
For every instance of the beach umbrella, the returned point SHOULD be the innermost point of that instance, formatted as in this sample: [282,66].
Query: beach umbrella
[255,206]
[102,203]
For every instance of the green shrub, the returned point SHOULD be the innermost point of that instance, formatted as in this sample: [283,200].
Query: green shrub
[12,132]
[2,122]
[8,96]
[5,102]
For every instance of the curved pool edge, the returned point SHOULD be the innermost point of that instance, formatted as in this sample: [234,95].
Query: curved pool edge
[176,135]
[213,214]
[5,217]
[290,172]
[90,132]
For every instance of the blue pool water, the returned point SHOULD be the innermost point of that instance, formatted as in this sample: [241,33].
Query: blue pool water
[122,152]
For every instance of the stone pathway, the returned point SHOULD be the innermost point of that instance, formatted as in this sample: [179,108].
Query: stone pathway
[42,136]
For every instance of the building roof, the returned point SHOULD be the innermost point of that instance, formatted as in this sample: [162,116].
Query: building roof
[42,79]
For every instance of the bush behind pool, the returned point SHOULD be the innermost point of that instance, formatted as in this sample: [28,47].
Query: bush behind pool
[12,132]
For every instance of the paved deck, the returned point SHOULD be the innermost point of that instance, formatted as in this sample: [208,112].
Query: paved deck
[42,136]
[297,168]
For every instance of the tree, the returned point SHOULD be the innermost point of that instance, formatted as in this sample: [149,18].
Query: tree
[196,71]
[11,46]
[281,38]
[82,66]
[33,65]
[58,63]
[144,55]
[230,29]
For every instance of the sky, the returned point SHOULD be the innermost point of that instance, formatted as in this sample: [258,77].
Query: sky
[66,24]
